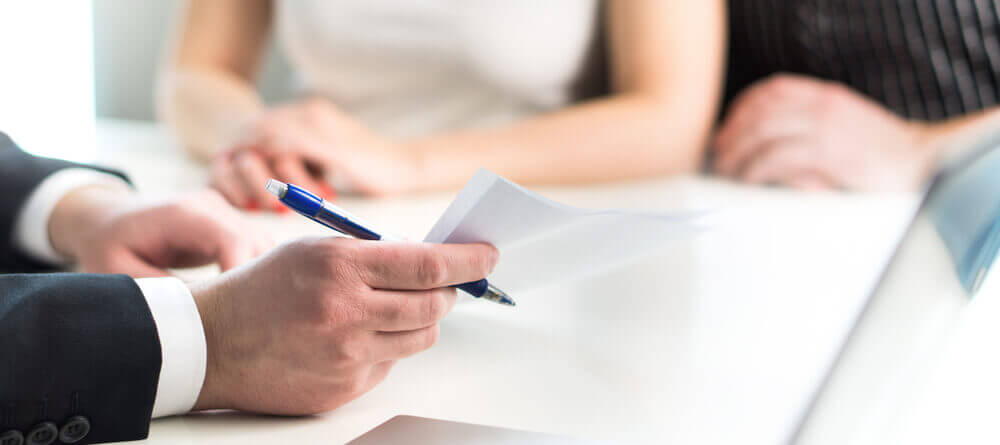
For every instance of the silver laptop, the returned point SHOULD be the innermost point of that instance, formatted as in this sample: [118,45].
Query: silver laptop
[942,261]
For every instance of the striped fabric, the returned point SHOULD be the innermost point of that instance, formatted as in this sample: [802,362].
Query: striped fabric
[924,59]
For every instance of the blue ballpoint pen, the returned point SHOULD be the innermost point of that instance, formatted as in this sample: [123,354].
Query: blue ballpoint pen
[327,214]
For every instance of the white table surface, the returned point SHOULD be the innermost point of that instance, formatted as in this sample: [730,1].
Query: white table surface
[713,340]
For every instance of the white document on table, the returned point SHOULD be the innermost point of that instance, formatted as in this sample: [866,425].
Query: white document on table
[542,241]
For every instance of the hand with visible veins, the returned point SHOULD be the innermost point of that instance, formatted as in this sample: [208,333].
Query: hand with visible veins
[316,323]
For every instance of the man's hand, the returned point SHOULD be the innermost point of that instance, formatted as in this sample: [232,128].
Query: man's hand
[110,230]
[316,323]
[305,143]
[803,132]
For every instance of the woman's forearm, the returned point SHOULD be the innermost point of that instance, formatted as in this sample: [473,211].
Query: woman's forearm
[206,93]
[666,63]
[624,136]
[206,108]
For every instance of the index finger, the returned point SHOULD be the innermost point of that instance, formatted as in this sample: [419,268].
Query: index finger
[422,266]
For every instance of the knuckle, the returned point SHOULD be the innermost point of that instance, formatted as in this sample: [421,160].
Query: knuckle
[782,78]
[783,84]
[352,352]
[780,84]
[342,269]
[433,309]
[393,311]
[432,270]
[833,95]
[337,255]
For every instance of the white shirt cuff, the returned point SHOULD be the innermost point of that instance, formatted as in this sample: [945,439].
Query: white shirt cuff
[31,228]
[182,344]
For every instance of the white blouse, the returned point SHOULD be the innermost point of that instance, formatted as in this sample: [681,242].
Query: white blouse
[413,67]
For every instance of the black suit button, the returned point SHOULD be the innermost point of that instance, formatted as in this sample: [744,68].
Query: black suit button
[12,437]
[75,429]
[43,434]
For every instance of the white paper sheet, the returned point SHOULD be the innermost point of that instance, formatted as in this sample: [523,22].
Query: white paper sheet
[542,242]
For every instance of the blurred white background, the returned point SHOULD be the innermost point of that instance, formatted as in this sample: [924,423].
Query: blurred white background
[47,78]
[129,41]
[92,59]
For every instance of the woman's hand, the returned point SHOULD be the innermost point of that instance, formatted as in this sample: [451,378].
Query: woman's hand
[803,132]
[306,143]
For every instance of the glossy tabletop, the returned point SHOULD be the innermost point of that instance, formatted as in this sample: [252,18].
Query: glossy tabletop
[718,338]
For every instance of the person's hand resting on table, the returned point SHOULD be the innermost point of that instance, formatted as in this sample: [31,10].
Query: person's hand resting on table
[110,229]
[305,143]
[808,133]
[316,323]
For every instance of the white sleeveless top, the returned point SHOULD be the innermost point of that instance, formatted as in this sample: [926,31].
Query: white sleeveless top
[412,67]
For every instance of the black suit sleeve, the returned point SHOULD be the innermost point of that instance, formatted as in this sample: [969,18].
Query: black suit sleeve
[77,345]
[20,173]
[78,353]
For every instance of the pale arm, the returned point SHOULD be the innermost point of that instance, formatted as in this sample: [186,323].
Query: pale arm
[667,63]
[206,91]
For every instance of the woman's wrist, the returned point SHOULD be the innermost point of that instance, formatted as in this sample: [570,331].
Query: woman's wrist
[208,108]
[434,166]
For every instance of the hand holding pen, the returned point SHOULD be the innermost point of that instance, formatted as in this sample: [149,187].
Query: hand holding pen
[328,214]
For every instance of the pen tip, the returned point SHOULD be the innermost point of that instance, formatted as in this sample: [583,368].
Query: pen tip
[276,188]
[498,296]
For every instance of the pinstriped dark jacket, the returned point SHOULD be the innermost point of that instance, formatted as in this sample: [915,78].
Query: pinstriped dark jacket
[923,59]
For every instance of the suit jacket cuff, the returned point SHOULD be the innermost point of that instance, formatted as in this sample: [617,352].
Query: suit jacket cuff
[182,344]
